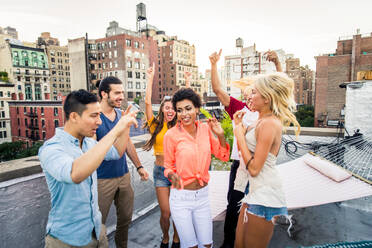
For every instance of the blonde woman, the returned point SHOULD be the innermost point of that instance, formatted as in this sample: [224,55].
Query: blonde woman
[272,97]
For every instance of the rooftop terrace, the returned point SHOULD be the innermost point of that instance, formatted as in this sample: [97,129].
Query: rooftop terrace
[25,203]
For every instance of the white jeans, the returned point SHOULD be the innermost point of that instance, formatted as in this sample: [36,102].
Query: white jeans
[191,213]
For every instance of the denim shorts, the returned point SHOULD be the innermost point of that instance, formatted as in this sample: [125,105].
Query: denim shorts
[159,179]
[266,212]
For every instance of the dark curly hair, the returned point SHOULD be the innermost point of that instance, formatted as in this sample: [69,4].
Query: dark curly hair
[186,93]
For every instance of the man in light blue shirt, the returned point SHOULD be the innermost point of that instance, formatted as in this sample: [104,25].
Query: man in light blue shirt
[69,160]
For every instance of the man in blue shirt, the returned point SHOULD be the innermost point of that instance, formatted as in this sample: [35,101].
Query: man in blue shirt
[113,177]
[69,160]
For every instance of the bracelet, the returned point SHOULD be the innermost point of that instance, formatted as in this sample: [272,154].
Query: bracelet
[139,167]
[246,166]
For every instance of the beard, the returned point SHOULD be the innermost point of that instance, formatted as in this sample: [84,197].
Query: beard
[112,103]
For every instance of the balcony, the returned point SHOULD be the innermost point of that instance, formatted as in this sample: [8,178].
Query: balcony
[32,126]
[34,137]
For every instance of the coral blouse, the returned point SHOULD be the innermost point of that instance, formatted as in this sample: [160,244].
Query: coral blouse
[190,157]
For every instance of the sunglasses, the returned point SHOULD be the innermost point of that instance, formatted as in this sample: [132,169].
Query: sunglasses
[166,98]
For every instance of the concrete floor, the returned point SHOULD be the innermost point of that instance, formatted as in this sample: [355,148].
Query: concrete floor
[348,221]
[331,223]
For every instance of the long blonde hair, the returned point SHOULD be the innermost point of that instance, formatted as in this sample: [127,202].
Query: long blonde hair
[278,88]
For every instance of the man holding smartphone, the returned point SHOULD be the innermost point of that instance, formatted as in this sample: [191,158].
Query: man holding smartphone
[113,177]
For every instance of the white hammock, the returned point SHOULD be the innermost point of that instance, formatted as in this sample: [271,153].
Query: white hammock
[303,187]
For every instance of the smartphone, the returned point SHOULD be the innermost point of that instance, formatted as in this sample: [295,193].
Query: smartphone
[135,108]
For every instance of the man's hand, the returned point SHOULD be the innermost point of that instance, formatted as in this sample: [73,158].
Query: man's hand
[215,57]
[143,174]
[127,119]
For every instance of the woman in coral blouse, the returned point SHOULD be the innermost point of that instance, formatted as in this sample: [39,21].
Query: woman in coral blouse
[187,155]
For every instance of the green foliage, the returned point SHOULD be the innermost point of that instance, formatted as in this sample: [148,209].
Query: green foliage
[137,100]
[305,115]
[17,149]
[205,113]
[227,127]
[4,76]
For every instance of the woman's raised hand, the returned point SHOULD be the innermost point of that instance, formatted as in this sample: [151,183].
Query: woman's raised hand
[214,57]
[151,72]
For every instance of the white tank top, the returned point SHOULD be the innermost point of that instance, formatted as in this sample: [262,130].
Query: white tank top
[266,188]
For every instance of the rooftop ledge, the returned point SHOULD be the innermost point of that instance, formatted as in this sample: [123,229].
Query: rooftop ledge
[31,165]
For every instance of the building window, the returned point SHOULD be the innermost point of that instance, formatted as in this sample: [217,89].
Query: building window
[130,85]
[138,75]
[129,64]
[28,91]
[138,94]
[114,43]
[115,54]
[138,85]
[144,85]
[128,43]
[143,46]
[42,123]
[42,110]
[137,65]
[55,111]
[56,123]
[136,44]
[37,92]
[130,75]
[44,135]
[128,53]
[130,95]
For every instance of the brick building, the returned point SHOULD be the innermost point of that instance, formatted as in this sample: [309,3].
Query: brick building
[127,57]
[59,66]
[122,53]
[353,54]
[34,120]
[303,78]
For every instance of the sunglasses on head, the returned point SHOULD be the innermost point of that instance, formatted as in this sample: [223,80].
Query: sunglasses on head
[167,98]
